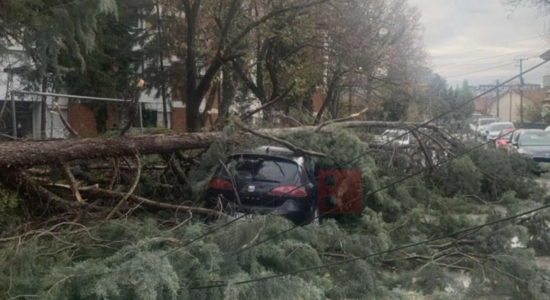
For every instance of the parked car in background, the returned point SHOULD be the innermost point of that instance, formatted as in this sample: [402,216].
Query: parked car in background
[516,136]
[503,139]
[494,129]
[481,123]
[536,145]
[266,180]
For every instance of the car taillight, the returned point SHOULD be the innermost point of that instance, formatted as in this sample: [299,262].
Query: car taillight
[221,184]
[290,191]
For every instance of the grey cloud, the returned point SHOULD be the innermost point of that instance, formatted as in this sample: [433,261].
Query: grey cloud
[459,31]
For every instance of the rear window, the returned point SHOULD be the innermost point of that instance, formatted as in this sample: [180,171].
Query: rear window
[260,168]
[486,122]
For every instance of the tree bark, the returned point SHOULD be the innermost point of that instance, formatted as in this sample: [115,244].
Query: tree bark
[192,102]
[228,93]
[31,153]
[330,98]
[44,109]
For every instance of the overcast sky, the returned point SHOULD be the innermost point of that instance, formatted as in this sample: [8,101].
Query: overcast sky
[478,40]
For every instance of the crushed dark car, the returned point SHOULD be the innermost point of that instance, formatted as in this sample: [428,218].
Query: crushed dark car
[266,180]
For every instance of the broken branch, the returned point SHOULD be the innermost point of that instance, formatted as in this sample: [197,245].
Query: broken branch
[277,140]
[130,192]
[71,130]
[351,117]
[72,181]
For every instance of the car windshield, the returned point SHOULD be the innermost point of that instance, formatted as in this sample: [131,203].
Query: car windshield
[500,127]
[259,168]
[535,139]
[486,122]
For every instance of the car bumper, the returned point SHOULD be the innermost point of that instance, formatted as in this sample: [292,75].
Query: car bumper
[292,209]
[540,163]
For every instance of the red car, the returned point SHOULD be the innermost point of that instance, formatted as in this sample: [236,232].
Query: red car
[503,138]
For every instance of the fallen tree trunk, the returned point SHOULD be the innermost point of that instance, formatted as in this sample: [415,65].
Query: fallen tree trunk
[31,153]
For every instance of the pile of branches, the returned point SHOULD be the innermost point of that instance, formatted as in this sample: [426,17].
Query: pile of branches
[98,178]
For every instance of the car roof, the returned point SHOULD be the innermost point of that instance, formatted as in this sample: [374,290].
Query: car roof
[501,123]
[537,131]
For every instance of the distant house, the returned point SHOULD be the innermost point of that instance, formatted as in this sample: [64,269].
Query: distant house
[483,105]
[508,106]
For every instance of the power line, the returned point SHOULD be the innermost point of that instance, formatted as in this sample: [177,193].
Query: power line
[374,254]
[366,153]
[479,71]
[538,47]
[460,65]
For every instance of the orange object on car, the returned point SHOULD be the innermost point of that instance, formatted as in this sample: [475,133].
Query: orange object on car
[503,138]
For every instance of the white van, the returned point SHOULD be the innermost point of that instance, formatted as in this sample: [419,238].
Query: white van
[483,124]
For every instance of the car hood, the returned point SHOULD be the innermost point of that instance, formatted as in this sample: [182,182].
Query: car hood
[536,150]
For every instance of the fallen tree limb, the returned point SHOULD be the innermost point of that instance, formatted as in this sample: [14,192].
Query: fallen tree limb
[32,153]
[175,167]
[423,148]
[132,167]
[27,188]
[130,192]
[71,130]
[100,193]
[277,140]
[72,181]
[351,117]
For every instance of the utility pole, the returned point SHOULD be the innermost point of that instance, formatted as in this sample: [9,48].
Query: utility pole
[44,108]
[498,99]
[511,107]
[521,88]
[161,62]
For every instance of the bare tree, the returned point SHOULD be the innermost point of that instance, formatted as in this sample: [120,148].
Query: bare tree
[229,43]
